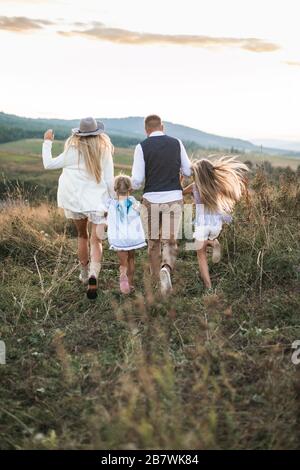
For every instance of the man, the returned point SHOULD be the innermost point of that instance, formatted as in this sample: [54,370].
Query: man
[158,161]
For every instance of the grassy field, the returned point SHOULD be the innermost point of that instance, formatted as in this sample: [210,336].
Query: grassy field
[24,151]
[16,151]
[21,163]
[195,371]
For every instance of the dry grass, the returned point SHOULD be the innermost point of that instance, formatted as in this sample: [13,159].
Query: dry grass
[196,371]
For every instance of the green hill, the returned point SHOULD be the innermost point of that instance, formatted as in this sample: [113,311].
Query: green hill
[124,132]
[14,128]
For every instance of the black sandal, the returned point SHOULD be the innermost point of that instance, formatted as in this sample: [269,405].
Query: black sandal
[92,288]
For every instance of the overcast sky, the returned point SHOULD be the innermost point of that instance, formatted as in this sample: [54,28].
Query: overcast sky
[230,67]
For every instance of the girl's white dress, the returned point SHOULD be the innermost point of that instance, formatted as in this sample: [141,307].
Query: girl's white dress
[208,225]
[125,230]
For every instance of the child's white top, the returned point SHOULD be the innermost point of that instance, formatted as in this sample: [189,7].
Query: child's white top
[125,230]
[78,190]
[205,216]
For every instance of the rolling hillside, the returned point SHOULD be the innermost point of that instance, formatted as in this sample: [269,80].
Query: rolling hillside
[134,126]
[124,132]
[124,155]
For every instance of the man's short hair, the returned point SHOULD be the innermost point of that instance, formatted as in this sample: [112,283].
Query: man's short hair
[152,122]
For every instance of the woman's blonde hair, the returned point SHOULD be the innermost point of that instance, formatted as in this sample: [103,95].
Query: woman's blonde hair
[220,182]
[122,185]
[92,148]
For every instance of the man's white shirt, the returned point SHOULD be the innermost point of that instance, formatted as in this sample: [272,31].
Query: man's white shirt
[138,174]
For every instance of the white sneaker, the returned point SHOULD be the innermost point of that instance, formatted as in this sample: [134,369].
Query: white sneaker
[165,281]
[94,269]
[84,274]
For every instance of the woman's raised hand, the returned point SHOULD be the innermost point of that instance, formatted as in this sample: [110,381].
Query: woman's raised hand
[49,135]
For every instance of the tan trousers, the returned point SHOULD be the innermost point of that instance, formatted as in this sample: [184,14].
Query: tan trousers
[162,223]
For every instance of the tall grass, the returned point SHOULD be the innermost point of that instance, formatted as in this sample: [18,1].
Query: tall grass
[195,371]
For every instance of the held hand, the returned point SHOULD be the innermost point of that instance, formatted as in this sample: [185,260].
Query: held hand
[49,135]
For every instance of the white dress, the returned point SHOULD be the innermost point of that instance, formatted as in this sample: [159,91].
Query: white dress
[208,225]
[78,191]
[125,230]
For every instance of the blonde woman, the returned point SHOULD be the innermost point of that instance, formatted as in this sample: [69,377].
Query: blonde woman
[84,187]
[218,186]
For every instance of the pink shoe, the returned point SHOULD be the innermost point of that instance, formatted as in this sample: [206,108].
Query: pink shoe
[124,284]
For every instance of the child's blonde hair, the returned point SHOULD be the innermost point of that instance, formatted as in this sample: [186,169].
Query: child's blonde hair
[122,185]
[92,148]
[220,182]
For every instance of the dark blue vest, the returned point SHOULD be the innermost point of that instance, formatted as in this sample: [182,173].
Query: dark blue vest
[162,155]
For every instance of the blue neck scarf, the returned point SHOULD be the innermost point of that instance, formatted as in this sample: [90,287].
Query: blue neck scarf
[121,208]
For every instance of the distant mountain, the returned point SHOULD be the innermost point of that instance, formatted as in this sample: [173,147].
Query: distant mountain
[134,126]
[15,128]
[276,143]
[124,132]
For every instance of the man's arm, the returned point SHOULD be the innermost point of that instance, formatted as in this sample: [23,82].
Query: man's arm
[138,168]
[186,167]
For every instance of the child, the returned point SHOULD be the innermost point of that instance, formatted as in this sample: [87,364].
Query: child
[125,231]
[217,186]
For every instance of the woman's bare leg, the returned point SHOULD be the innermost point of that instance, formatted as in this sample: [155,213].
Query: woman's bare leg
[83,240]
[124,284]
[203,265]
[123,260]
[131,266]
[97,235]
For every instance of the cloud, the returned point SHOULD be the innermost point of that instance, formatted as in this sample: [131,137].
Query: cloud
[101,32]
[293,63]
[21,24]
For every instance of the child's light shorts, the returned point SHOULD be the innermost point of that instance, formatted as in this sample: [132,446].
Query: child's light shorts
[207,232]
[93,216]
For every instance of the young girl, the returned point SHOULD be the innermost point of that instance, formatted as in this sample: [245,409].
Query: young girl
[125,231]
[84,186]
[217,186]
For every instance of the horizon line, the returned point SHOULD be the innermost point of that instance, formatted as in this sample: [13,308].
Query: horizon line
[213,133]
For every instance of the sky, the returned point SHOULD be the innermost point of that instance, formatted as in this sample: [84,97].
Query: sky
[228,67]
